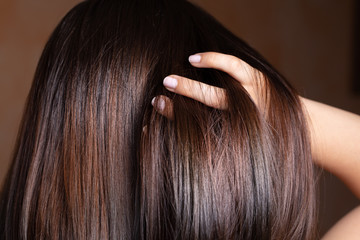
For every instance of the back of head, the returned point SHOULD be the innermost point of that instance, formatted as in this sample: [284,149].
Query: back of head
[83,167]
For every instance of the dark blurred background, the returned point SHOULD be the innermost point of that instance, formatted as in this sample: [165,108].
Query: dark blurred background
[314,43]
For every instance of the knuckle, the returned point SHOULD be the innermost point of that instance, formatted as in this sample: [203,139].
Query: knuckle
[186,84]
[210,59]
[234,64]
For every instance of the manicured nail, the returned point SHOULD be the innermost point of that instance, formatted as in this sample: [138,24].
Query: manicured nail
[160,104]
[195,58]
[170,82]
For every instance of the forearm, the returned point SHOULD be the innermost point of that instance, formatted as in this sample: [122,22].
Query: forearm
[335,141]
[347,228]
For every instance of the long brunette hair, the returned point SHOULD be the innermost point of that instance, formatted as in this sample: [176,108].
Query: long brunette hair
[83,168]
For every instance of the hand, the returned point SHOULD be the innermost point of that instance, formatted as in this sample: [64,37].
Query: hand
[335,134]
[209,95]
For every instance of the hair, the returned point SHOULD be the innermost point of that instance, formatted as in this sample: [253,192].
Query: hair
[84,168]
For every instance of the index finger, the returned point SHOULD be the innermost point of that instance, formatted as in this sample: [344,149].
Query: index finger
[232,65]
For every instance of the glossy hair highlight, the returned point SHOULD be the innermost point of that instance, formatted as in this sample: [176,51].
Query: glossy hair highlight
[84,168]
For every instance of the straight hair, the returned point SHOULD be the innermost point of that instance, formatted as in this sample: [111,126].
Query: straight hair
[94,160]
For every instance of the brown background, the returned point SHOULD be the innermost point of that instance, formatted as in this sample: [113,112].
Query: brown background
[309,41]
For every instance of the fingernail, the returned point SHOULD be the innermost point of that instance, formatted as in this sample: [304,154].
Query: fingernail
[170,82]
[160,104]
[195,58]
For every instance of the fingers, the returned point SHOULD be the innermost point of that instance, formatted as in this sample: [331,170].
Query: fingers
[232,65]
[209,95]
[164,106]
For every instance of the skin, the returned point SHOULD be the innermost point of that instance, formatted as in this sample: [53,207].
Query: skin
[335,133]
